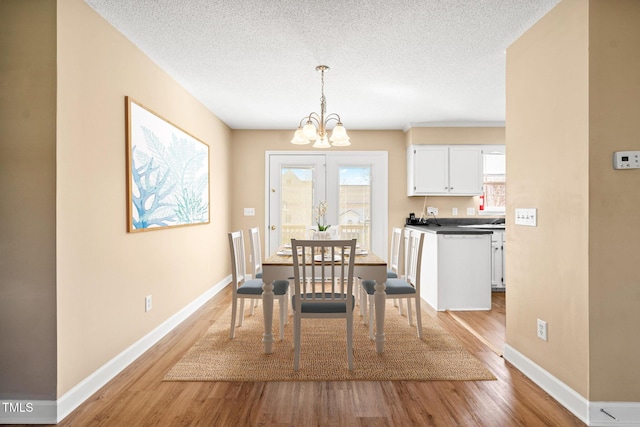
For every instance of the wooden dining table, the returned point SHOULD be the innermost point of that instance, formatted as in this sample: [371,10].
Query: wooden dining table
[280,266]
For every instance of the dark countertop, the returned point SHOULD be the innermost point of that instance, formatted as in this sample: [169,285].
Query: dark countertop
[457,226]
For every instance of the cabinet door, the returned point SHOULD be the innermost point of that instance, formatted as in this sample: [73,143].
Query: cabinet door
[430,170]
[496,263]
[465,170]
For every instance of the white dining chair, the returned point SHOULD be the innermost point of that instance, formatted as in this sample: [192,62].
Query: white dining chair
[323,287]
[250,289]
[256,258]
[256,252]
[393,272]
[407,288]
[394,260]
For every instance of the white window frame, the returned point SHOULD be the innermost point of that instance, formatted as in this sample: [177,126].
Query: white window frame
[493,149]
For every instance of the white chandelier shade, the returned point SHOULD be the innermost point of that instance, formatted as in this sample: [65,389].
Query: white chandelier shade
[315,127]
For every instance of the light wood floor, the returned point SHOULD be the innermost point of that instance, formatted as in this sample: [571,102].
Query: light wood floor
[138,397]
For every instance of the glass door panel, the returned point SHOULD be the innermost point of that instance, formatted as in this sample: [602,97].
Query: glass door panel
[296,184]
[355,204]
[353,185]
[296,202]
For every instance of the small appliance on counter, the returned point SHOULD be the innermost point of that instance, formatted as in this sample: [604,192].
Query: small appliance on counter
[412,220]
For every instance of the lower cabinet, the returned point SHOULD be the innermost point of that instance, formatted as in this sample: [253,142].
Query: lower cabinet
[498,282]
[455,271]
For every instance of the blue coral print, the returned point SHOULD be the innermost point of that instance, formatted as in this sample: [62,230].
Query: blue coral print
[169,174]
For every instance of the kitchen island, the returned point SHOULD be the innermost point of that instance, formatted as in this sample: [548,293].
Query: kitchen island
[456,265]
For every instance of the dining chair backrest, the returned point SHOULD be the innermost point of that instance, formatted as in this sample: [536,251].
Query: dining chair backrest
[323,272]
[396,242]
[414,256]
[406,239]
[238,263]
[256,251]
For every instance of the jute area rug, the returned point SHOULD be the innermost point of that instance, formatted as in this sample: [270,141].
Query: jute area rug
[438,356]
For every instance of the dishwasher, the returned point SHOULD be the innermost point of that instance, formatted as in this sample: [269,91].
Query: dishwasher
[456,271]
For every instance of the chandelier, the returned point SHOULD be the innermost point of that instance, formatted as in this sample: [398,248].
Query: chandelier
[315,128]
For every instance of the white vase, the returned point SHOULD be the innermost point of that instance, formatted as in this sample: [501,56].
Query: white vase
[321,235]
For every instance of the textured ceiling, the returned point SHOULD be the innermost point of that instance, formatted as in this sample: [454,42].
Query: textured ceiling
[394,63]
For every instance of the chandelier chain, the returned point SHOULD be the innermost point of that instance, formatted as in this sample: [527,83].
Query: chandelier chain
[318,133]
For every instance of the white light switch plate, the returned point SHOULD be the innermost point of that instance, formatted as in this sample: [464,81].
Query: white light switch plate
[249,211]
[527,217]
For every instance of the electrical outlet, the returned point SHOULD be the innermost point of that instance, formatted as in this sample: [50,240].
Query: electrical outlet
[471,211]
[454,211]
[542,330]
[249,211]
[147,303]
[432,211]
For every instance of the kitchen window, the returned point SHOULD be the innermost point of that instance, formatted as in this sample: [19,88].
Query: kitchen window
[495,180]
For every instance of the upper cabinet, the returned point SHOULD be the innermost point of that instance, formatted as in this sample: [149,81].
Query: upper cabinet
[444,170]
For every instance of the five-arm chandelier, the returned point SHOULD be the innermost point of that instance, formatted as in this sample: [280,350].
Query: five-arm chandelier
[315,128]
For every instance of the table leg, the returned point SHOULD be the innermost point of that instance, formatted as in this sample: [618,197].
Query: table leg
[267,308]
[379,302]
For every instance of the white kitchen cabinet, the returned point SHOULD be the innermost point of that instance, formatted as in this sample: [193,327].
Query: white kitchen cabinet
[445,170]
[455,271]
[498,281]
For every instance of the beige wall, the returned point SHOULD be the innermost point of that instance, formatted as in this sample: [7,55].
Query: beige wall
[569,106]
[249,147]
[103,272]
[548,169]
[27,202]
[614,205]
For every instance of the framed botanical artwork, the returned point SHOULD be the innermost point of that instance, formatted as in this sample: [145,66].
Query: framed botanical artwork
[167,173]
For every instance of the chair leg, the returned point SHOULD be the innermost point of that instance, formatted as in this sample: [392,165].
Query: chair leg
[296,342]
[350,343]
[233,318]
[286,310]
[371,312]
[400,304]
[363,306]
[409,314]
[418,316]
[283,314]
[241,301]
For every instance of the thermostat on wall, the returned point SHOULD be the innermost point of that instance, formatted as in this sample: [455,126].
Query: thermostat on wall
[626,160]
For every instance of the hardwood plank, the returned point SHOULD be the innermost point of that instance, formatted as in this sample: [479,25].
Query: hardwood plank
[139,397]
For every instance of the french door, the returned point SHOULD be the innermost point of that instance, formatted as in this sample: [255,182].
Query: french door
[353,185]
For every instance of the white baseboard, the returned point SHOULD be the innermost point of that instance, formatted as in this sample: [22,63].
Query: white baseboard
[82,391]
[590,413]
[52,412]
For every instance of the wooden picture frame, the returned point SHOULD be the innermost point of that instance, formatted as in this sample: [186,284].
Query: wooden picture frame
[167,173]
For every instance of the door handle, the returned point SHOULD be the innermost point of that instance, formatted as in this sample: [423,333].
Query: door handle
[273,227]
